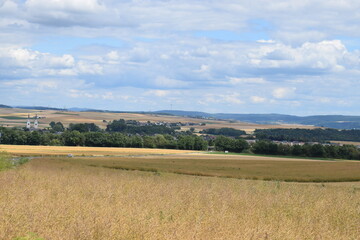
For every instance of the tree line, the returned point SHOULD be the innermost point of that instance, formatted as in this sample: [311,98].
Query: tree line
[123,133]
[230,132]
[307,150]
[102,139]
[308,135]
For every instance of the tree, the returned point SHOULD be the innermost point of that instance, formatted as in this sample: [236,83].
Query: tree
[34,138]
[240,145]
[317,150]
[57,127]
[73,138]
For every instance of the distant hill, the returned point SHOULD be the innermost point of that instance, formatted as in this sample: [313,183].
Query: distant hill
[41,108]
[4,106]
[329,121]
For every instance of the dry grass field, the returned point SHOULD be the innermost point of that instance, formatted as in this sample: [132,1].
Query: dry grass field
[26,150]
[17,117]
[55,199]
[346,142]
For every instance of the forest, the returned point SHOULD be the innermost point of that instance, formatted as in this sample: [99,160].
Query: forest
[308,135]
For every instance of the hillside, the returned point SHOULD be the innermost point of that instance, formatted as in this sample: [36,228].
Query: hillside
[10,117]
[329,121]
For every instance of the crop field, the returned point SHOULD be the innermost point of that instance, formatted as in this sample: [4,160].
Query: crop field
[64,198]
[346,142]
[16,117]
[25,150]
[242,167]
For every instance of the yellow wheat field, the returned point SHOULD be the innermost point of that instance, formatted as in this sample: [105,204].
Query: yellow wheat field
[59,200]
[26,150]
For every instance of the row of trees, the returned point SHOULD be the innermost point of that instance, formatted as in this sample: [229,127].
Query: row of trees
[230,132]
[176,141]
[129,127]
[306,150]
[102,139]
[308,135]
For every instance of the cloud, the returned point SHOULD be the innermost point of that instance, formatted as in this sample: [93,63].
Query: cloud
[277,53]
[162,81]
[257,99]
[64,13]
[283,92]
[234,80]
[227,98]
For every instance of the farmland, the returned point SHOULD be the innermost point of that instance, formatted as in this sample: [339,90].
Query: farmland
[81,198]
[126,193]
[17,117]
[24,150]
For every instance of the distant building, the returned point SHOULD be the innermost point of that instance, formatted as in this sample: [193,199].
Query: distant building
[28,124]
[36,123]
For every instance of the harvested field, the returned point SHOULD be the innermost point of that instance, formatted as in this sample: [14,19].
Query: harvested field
[346,143]
[26,150]
[54,199]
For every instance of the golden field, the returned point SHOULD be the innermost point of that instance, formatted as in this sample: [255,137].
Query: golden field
[55,199]
[26,150]
[17,117]
[346,142]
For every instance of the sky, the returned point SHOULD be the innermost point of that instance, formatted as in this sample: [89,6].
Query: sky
[298,57]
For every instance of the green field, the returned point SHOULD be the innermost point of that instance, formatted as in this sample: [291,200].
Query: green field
[13,117]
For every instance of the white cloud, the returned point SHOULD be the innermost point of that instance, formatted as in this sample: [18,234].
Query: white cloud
[159,93]
[162,81]
[64,13]
[227,98]
[234,80]
[257,99]
[283,92]
[158,47]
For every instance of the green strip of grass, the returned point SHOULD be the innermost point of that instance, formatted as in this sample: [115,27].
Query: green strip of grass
[5,161]
[67,113]
[13,117]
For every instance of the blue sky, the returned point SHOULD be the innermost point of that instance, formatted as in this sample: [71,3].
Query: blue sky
[290,57]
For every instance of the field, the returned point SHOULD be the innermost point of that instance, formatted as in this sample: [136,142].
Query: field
[242,167]
[346,142]
[25,150]
[199,163]
[17,117]
[175,195]
[56,199]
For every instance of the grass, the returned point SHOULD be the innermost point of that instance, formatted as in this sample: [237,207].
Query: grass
[240,167]
[276,156]
[56,199]
[13,117]
[66,113]
[5,162]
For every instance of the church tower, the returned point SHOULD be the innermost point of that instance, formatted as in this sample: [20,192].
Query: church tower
[36,124]
[28,122]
